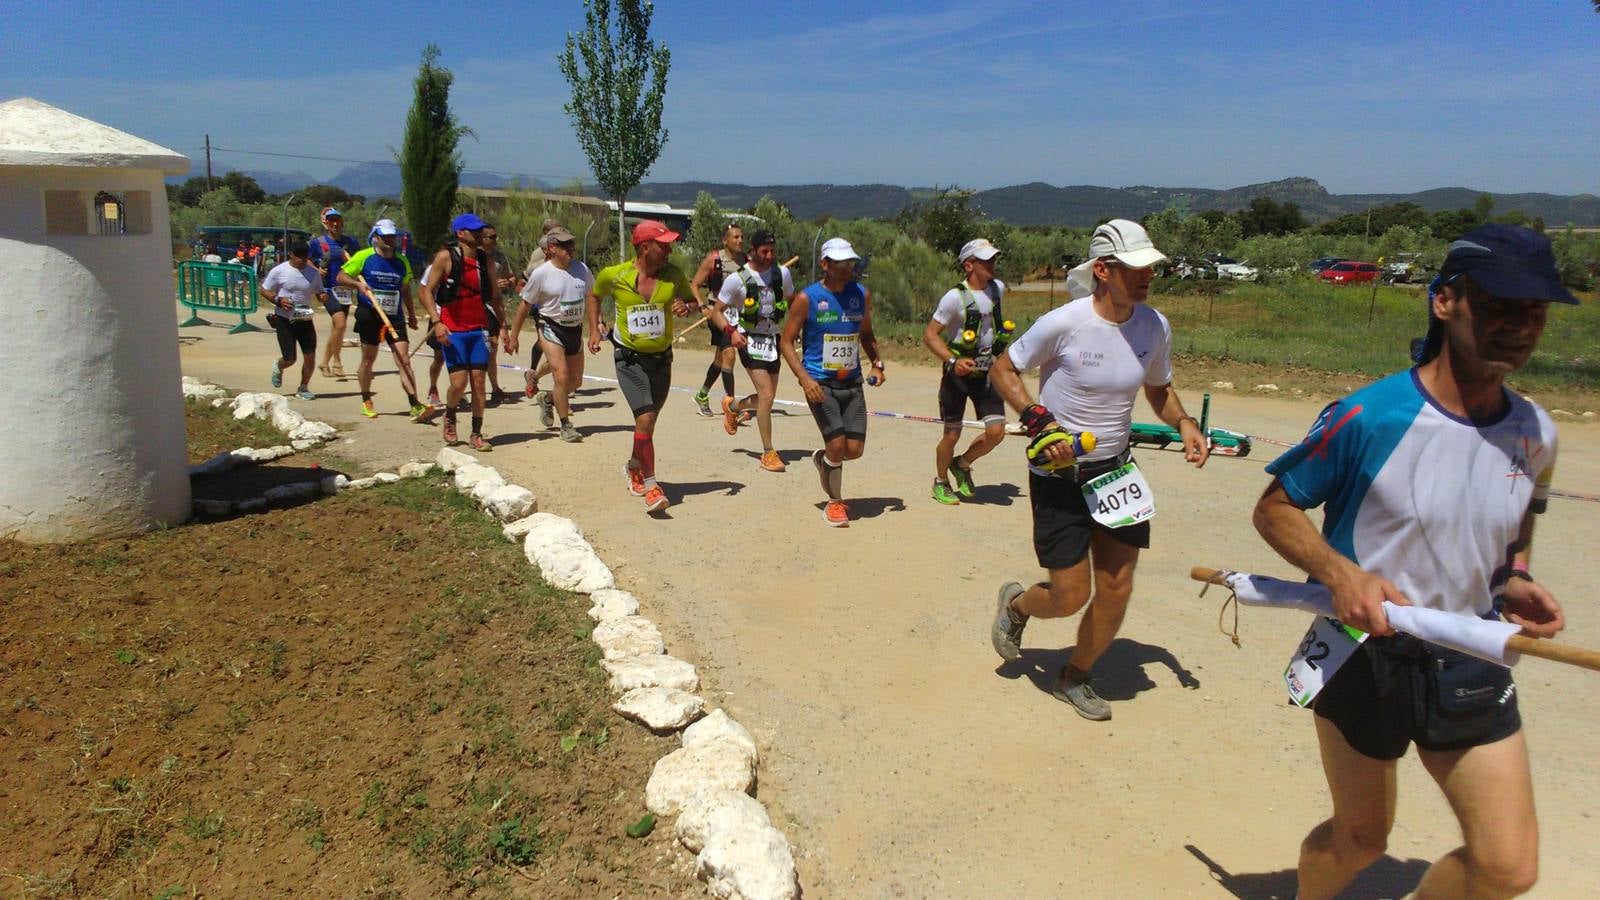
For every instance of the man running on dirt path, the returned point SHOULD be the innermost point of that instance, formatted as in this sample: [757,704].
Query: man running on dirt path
[750,310]
[967,331]
[1432,478]
[291,287]
[555,295]
[707,283]
[507,284]
[1094,354]
[648,291]
[382,279]
[833,320]
[459,301]
[329,252]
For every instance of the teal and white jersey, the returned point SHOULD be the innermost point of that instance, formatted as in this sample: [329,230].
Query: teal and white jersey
[1429,500]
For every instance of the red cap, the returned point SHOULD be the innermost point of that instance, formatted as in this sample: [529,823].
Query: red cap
[651,230]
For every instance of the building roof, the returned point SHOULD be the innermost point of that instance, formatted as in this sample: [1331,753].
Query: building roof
[33,133]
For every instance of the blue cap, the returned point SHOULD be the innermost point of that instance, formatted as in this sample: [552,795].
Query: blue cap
[330,211]
[1508,261]
[467,222]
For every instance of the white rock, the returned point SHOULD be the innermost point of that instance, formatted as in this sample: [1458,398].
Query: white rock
[748,864]
[450,459]
[332,484]
[1222,385]
[196,389]
[313,431]
[687,771]
[361,484]
[718,726]
[652,671]
[416,469]
[611,604]
[257,405]
[516,532]
[1561,414]
[629,636]
[474,474]
[219,403]
[666,710]
[285,419]
[386,478]
[302,445]
[564,558]
[509,502]
[1589,414]
[715,809]
[1267,388]
[213,507]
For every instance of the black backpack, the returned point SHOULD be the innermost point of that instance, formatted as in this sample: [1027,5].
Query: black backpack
[451,285]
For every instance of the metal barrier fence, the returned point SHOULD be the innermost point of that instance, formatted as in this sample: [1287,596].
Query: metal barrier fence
[224,287]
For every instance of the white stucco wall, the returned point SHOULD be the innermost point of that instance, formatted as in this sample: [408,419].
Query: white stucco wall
[92,435]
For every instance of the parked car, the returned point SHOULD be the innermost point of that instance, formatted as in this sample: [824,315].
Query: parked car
[1404,269]
[1231,268]
[1199,269]
[1322,262]
[1349,272]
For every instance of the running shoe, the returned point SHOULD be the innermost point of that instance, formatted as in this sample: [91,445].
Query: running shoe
[433,397]
[304,394]
[1081,695]
[338,369]
[730,417]
[703,400]
[479,443]
[943,494]
[1006,631]
[962,476]
[635,480]
[772,462]
[569,433]
[822,467]
[836,514]
[368,410]
[423,413]
[530,385]
[277,375]
[450,436]
[547,415]
[655,499]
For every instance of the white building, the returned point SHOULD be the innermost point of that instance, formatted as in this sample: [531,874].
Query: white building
[91,415]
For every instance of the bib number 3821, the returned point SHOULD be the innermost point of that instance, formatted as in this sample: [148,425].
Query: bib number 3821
[1120,497]
[1326,647]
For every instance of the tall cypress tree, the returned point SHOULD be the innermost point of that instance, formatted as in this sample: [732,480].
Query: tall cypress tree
[430,160]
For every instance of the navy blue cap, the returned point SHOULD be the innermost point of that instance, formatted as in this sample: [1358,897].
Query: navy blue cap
[1508,261]
[466,222]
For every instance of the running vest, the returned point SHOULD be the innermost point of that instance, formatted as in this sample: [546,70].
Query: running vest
[968,341]
[755,315]
[725,266]
[831,349]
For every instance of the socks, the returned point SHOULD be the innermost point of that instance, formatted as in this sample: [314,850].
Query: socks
[477,424]
[413,398]
[644,450]
[711,377]
[835,474]
[366,396]
[727,382]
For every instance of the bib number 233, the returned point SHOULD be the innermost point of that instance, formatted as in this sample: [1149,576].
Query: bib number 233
[1120,497]
[839,351]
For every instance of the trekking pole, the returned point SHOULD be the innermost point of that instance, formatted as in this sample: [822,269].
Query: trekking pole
[703,319]
[388,335]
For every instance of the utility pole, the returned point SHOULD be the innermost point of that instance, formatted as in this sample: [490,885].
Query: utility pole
[208,162]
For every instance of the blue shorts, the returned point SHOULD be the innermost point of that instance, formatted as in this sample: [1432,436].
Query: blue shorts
[467,350]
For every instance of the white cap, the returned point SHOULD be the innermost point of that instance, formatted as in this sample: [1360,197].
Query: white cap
[1119,238]
[979,248]
[838,250]
[384,226]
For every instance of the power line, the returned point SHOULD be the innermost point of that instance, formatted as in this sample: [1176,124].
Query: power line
[379,162]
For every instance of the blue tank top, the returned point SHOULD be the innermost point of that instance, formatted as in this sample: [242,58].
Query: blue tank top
[829,337]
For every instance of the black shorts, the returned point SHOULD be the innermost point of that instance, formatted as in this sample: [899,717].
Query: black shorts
[956,390]
[1393,691]
[843,410]
[570,337]
[368,325]
[719,338]
[290,333]
[757,365]
[1061,521]
[645,379]
[494,322]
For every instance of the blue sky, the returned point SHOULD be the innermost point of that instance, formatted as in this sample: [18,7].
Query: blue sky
[1363,97]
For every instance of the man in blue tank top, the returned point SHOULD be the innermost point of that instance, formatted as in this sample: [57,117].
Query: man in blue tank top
[833,321]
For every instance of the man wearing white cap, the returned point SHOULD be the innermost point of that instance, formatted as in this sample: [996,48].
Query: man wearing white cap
[1094,355]
[833,320]
[382,279]
[966,332]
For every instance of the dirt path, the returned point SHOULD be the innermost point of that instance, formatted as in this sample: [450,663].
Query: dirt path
[900,758]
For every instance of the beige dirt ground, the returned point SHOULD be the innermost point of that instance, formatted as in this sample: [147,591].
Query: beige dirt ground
[900,757]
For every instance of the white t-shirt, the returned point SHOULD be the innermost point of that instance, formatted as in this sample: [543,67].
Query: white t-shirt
[952,314]
[1090,370]
[298,286]
[558,294]
[731,297]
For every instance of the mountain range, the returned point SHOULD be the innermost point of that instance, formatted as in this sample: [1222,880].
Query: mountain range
[1035,203]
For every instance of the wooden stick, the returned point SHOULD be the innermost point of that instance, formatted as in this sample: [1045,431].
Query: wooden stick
[1543,648]
[703,319]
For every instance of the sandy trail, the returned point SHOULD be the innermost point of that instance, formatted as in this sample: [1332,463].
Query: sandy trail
[901,757]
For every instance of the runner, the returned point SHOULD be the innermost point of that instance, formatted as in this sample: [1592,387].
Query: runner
[833,319]
[382,279]
[750,310]
[290,287]
[966,332]
[458,309]
[707,283]
[329,252]
[538,366]
[1431,478]
[1094,354]
[507,284]
[556,293]
[642,289]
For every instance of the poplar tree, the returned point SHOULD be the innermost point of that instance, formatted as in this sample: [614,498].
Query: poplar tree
[430,158]
[619,84]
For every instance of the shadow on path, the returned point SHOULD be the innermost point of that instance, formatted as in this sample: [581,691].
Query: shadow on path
[678,491]
[1118,675]
[1388,877]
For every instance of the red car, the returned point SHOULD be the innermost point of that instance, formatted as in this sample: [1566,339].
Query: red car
[1349,272]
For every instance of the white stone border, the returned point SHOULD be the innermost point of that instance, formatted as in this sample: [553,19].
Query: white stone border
[707,782]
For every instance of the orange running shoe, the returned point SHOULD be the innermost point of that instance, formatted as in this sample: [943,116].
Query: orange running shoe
[635,480]
[655,500]
[730,417]
[450,436]
[836,514]
[772,462]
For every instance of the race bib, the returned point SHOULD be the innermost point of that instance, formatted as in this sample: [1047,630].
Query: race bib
[839,352]
[647,320]
[571,313]
[300,313]
[1120,497]
[1327,646]
[389,300]
[763,347]
[983,361]
[344,296]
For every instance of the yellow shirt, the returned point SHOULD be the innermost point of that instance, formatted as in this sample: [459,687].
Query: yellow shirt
[643,324]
